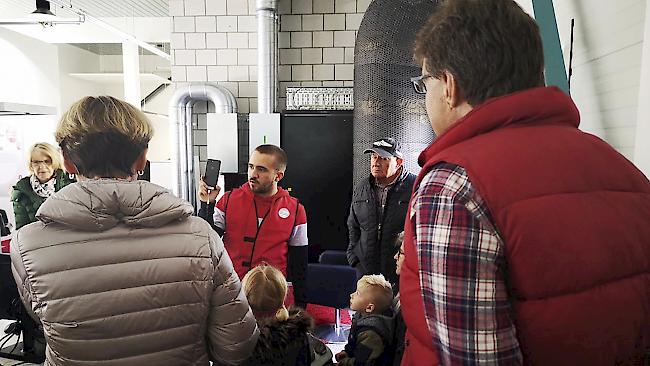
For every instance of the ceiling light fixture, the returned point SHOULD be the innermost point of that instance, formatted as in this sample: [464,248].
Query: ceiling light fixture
[43,8]
[45,23]
[43,16]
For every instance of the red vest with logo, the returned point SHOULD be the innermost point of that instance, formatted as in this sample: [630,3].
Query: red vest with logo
[574,215]
[249,244]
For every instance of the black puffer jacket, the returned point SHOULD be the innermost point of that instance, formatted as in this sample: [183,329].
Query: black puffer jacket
[372,244]
[283,343]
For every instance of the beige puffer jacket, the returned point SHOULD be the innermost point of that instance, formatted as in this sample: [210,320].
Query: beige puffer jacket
[120,274]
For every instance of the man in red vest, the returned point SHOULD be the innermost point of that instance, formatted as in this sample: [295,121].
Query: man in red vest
[527,240]
[260,222]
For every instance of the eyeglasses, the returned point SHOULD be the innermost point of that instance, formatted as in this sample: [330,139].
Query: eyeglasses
[418,83]
[46,162]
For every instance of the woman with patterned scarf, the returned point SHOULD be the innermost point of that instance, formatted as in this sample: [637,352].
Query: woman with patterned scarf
[47,176]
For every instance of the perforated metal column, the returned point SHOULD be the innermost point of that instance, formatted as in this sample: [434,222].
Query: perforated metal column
[385,104]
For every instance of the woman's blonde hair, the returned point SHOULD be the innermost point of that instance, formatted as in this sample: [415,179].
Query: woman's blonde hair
[103,136]
[46,149]
[266,288]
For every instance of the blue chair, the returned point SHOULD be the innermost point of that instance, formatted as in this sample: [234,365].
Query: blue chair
[331,285]
[337,257]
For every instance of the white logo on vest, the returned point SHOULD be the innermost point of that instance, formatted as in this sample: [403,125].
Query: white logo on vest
[283,213]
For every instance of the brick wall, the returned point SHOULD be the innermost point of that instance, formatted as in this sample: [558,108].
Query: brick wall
[216,40]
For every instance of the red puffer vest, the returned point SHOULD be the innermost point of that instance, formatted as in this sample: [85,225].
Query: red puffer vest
[573,214]
[249,246]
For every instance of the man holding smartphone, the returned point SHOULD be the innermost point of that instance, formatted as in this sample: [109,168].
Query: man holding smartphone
[260,222]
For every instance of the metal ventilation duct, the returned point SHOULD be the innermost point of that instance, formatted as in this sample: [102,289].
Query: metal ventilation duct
[267,55]
[385,104]
[180,123]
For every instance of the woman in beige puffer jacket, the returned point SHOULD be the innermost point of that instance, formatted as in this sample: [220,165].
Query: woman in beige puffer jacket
[117,270]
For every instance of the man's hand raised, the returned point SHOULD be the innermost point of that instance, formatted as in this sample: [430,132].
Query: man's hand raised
[206,194]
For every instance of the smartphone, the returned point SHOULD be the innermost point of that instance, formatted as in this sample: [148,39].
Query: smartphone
[212,172]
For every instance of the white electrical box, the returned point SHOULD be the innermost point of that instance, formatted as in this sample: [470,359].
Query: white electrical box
[223,141]
[161,173]
[264,129]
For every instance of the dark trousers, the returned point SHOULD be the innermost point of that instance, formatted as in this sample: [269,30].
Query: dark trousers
[33,340]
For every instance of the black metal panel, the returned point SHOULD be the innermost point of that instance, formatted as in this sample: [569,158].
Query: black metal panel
[146,173]
[385,104]
[234,180]
[319,173]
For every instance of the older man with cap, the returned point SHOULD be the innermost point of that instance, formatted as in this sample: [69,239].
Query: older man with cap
[378,210]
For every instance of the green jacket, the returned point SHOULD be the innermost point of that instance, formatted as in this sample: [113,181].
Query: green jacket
[26,202]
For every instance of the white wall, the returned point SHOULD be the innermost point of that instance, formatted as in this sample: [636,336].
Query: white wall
[641,146]
[160,103]
[606,65]
[28,70]
[76,60]
[116,89]
[28,74]
[148,64]
[159,147]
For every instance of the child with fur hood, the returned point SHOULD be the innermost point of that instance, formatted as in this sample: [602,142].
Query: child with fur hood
[284,334]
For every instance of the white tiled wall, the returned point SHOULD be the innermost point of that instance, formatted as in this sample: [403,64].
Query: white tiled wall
[216,40]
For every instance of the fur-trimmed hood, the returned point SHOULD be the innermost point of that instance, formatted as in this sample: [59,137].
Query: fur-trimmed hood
[282,340]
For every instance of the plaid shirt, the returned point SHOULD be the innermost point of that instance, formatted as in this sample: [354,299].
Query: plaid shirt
[462,271]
